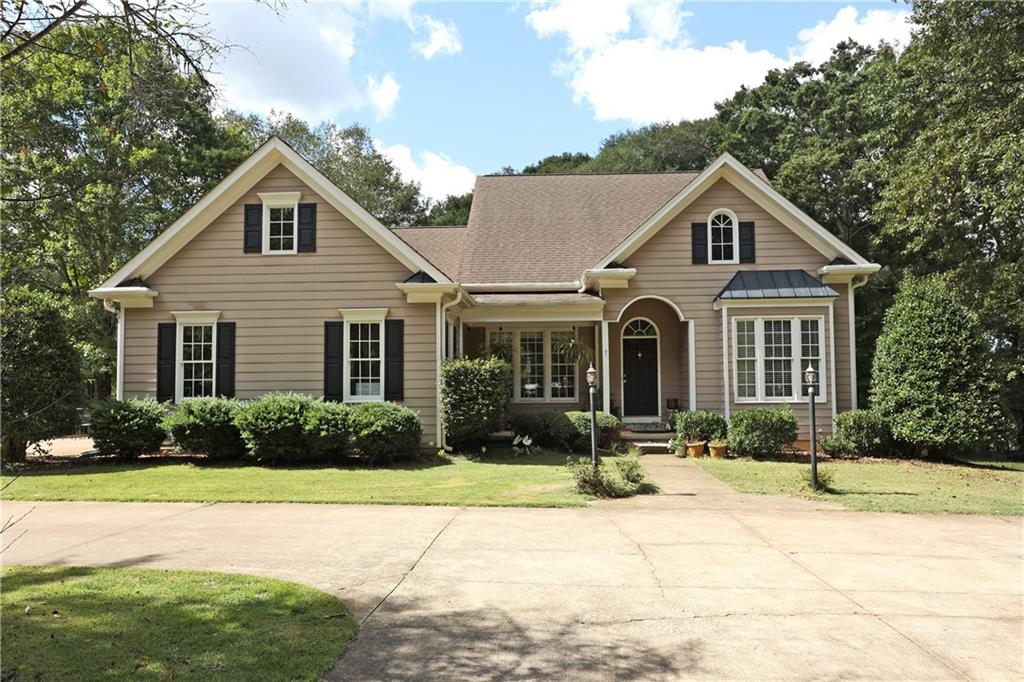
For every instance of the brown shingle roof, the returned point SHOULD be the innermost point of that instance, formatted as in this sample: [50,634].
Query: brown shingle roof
[550,228]
[442,246]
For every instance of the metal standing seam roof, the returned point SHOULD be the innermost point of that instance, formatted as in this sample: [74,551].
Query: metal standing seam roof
[761,284]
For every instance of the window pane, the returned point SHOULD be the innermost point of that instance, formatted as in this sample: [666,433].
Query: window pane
[563,369]
[364,371]
[722,234]
[746,359]
[810,353]
[531,364]
[778,364]
[197,367]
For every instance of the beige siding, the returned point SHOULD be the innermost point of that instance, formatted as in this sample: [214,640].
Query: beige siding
[664,268]
[280,303]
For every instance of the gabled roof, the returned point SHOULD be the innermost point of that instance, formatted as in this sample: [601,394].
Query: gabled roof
[766,284]
[442,246]
[271,153]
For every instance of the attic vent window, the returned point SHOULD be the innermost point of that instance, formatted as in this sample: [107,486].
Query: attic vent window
[722,237]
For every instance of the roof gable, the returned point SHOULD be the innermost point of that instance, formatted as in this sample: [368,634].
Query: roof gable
[270,154]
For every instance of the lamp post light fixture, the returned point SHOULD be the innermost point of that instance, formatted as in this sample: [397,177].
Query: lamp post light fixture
[592,382]
[811,379]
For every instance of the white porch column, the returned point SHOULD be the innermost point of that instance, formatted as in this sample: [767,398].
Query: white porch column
[725,361]
[691,367]
[119,391]
[606,371]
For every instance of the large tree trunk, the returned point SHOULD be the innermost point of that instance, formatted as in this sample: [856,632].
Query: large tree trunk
[104,383]
[13,450]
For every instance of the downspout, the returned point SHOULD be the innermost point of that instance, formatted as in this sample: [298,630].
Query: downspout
[442,326]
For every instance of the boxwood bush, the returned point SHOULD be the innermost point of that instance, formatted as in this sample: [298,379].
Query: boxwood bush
[569,430]
[474,398]
[859,433]
[762,432]
[608,427]
[327,430]
[274,427]
[128,428]
[704,424]
[206,426]
[382,431]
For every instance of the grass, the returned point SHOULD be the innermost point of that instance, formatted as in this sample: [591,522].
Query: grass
[914,487]
[63,623]
[537,480]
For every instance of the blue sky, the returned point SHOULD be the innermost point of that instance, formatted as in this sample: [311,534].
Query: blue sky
[450,90]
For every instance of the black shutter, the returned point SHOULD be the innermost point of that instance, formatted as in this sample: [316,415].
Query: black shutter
[307,228]
[700,243]
[166,352]
[225,384]
[394,359]
[253,239]
[334,358]
[747,242]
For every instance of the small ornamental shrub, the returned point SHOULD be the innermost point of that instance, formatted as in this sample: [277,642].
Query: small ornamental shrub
[608,427]
[551,429]
[474,398]
[705,425]
[382,431]
[274,427]
[859,433]
[128,428]
[206,426]
[762,432]
[625,478]
[933,378]
[327,430]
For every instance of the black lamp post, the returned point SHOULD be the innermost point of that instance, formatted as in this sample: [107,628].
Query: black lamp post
[811,379]
[592,382]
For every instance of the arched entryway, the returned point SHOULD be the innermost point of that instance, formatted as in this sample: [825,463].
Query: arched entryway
[641,369]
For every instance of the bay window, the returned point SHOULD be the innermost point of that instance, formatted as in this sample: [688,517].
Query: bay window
[770,354]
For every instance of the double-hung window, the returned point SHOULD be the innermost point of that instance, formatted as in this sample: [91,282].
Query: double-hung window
[770,354]
[280,222]
[543,364]
[364,354]
[196,370]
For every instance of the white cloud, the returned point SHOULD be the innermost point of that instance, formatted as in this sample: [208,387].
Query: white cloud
[438,175]
[383,94]
[631,60]
[876,25]
[442,38]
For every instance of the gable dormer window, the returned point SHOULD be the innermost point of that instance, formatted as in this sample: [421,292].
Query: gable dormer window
[723,237]
[280,222]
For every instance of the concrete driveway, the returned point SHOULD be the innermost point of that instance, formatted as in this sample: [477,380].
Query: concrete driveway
[700,582]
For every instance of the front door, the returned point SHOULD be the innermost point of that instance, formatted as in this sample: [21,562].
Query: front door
[640,378]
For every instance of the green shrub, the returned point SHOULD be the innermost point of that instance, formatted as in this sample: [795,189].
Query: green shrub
[474,398]
[41,370]
[327,430]
[859,433]
[608,427]
[762,432]
[933,377]
[625,478]
[704,424]
[128,428]
[381,432]
[207,426]
[274,427]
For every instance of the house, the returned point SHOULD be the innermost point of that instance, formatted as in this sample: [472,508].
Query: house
[696,290]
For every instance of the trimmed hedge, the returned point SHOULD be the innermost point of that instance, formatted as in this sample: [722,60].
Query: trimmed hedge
[570,430]
[859,433]
[383,431]
[608,427]
[327,430]
[762,432]
[274,427]
[128,428]
[704,424]
[206,426]
[474,398]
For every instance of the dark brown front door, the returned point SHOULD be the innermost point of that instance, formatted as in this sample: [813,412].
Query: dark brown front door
[640,378]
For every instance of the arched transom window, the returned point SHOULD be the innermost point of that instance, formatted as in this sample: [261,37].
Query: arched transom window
[722,236]
[640,328]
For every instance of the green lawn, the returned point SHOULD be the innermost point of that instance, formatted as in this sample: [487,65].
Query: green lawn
[64,623]
[537,480]
[895,486]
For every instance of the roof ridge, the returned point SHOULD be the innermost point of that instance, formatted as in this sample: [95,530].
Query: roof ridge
[564,173]
[427,227]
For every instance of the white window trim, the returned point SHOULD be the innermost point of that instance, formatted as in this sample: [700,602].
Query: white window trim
[352,316]
[517,386]
[280,200]
[185,318]
[795,359]
[622,366]
[735,238]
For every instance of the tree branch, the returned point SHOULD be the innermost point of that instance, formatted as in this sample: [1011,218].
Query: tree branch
[33,39]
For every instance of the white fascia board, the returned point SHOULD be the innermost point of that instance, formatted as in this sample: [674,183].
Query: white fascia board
[773,302]
[762,193]
[127,297]
[843,273]
[545,312]
[608,278]
[431,292]
[235,185]
[495,287]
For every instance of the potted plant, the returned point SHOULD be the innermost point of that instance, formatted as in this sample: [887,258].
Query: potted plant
[694,445]
[678,446]
[718,447]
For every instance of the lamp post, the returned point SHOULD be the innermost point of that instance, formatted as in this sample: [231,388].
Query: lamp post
[592,382]
[811,379]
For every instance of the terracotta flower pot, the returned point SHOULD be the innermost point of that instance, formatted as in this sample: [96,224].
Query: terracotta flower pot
[695,449]
[718,451]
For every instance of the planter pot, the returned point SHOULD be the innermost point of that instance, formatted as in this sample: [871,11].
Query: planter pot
[681,451]
[718,451]
[695,449]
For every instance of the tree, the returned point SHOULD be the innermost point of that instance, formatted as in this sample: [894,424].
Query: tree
[686,145]
[453,210]
[39,365]
[566,162]
[933,378]
[349,159]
